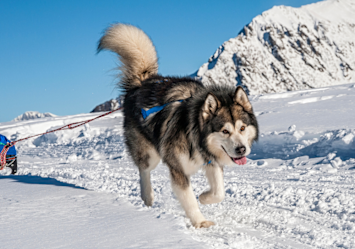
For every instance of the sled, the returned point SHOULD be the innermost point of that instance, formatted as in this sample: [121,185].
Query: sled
[11,155]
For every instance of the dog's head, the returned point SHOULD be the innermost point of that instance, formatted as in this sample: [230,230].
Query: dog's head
[228,125]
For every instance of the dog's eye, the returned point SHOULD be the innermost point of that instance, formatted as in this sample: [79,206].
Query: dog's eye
[242,128]
[225,131]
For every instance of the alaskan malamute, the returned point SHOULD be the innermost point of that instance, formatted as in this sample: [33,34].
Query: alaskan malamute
[177,119]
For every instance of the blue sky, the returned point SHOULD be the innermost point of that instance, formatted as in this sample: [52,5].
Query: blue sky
[48,60]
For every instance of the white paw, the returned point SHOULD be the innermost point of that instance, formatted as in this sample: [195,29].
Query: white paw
[148,198]
[209,198]
[204,224]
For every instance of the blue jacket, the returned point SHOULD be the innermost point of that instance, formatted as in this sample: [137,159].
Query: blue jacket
[3,142]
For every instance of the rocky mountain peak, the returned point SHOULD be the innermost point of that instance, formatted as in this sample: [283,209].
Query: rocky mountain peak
[33,115]
[286,49]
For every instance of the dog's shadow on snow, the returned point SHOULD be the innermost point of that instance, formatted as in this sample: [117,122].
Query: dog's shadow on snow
[38,180]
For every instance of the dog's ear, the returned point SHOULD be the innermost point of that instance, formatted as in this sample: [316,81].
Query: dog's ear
[210,106]
[241,98]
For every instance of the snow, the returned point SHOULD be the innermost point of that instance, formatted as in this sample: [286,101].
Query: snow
[287,49]
[80,188]
[45,213]
[33,115]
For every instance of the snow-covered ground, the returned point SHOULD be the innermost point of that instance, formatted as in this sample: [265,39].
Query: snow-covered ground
[296,191]
[42,212]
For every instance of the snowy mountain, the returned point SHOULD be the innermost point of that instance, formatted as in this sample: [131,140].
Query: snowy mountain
[33,115]
[287,49]
[296,191]
[110,105]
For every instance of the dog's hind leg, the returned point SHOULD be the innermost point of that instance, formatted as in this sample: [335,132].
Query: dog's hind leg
[182,188]
[214,174]
[146,158]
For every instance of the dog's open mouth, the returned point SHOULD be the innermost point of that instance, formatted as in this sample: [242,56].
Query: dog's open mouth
[238,160]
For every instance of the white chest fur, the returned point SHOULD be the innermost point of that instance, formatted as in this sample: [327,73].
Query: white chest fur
[191,165]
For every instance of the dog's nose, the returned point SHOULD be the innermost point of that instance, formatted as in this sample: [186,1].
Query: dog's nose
[240,150]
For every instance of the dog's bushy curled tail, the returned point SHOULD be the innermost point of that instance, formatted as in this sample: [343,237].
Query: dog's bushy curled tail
[135,50]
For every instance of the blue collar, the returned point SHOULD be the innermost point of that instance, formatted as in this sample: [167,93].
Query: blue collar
[209,162]
[146,113]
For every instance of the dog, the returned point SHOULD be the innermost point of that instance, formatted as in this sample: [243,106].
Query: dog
[180,121]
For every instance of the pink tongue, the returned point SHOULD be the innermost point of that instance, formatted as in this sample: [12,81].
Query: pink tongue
[240,161]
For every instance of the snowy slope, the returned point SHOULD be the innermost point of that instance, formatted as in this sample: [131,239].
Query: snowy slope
[286,49]
[296,191]
[33,115]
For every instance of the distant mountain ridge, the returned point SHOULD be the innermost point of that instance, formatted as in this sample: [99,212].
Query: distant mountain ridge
[110,105]
[33,115]
[286,49]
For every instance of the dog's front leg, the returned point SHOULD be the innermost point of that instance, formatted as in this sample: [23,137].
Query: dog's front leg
[182,188]
[214,174]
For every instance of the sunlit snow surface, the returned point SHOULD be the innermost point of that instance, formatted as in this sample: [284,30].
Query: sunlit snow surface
[296,191]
